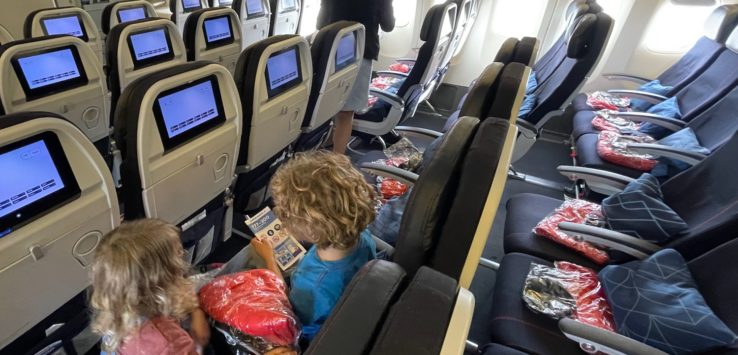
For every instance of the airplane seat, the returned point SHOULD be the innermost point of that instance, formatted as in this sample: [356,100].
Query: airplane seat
[141,47]
[56,202]
[255,18]
[465,21]
[337,51]
[285,17]
[526,51]
[718,27]
[506,53]
[432,316]
[58,74]
[178,131]
[274,79]
[361,310]
[65,21]
[415,86]
[181,10]
[213,34]
[125,11]
[5,36]
[220,3]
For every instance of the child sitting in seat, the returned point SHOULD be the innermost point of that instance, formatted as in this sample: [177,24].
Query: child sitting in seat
[141,295]
[323,200]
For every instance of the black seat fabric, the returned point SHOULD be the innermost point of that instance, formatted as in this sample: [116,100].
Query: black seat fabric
[705,196]
[360,312]
[189,34]
[526,51]
[497,349]
[417,323]
[506,53]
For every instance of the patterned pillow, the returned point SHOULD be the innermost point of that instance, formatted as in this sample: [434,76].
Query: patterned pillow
[656,301]
[639,211]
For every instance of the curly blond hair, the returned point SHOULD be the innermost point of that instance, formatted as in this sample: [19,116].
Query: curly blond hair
[138,273]
[321,198]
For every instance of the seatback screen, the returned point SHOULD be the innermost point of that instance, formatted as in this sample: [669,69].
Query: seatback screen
[129,14]
[187,111]
[48,71]
[64,25]
[283,71]
[36,177]
[191,5]
[150,47]
[254,7]
[218,31]
[225,2]
[289,5]
[346,51]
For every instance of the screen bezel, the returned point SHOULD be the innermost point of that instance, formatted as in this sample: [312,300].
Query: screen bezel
[176,141]
[256,14]
[272,93]
[38,209]
[188,10]
[289,9]
[84,36]
[44,91]
[138,64]
[122,8]
[221,42]
[343,66]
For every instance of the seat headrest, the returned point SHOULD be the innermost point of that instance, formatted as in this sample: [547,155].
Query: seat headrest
[480,96]
[576,8]
[579,36]
[507,51]
[108,11]
[433,21]
[721,22]
[732,41]
[594,8]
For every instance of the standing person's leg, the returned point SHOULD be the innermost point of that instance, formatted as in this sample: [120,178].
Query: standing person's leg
[357,101]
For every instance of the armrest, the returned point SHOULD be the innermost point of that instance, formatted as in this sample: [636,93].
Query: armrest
[602,340]
[392,172]
[395,74]
[407,60]
[646,96]
[394,100]
[526,128]
[633,246]
[660,150]
[423,131]
[601,181]
[626,77]
[669,123]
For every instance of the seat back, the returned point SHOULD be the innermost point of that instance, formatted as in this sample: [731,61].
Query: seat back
[141,47]
[553,57]
[179,131]
[125,11]
[444,44]
[526,51]
[506,53]
[255,19]
[5,36]
[431,197]
[285,17]
[181,10]
[716,125]
[214,35]
[466,16]
[58,74]
[57,200]
[361,310]
[65,21]
[337,52]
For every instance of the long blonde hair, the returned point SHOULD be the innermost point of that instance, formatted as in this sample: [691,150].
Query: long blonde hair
[138,273]
[320,197]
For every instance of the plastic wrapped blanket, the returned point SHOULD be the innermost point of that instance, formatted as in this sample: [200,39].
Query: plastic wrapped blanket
[383,83]
[575,211]
[568,290]
[601,100]
[603,121]
[613,147]
[254,307]
[399,67]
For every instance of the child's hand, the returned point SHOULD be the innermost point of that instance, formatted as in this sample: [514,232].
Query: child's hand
[281,351]
[199,328]
[263,249]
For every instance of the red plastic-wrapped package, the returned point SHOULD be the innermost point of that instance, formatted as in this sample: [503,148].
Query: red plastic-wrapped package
[601,100]
[575,211]
[613,147]
[603,121]
[592,306]
[372,100]
[383,82]
[392,188]
[254,303]
[402,68]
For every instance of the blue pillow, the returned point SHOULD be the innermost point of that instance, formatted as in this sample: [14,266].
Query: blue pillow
[639,211]
[653,87]
[656,301]
[668,108]
[529,103]
[532,85]
[684,139]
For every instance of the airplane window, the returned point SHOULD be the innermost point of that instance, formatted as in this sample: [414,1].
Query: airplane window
[514,18]
[676,27]
[404,12]
[310,17]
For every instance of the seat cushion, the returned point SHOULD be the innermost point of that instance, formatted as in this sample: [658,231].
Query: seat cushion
[524,211]
[377,113]
[582,124]
[587,157]
[512,324]
[579,103]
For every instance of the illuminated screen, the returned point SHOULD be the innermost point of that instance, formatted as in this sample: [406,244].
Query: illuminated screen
[190,5]
[150,46]
[34,179]
[131,14]
[218,30]
[49,68]
[283,71]
[288,4]
[225,2]
[254,7]
[64,25]
[346,52]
